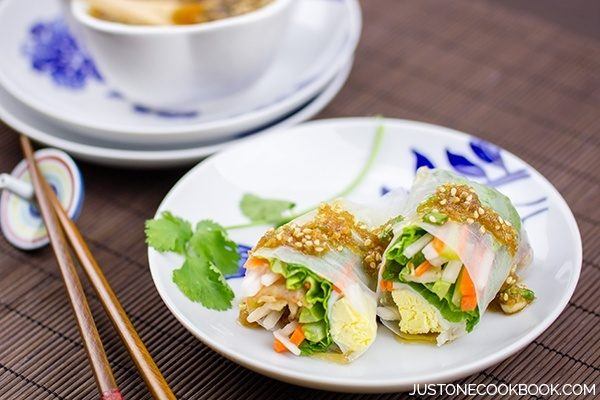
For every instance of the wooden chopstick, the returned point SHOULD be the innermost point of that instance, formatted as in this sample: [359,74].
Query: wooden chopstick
[156,383]
[83,315]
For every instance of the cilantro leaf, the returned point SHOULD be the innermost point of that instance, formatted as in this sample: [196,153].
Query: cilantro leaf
[202,282]
[210,240]
[265,210]
[168,233]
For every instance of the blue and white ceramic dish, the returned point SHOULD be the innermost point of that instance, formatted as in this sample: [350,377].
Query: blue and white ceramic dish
[46,68]
[104,152]
[312,162]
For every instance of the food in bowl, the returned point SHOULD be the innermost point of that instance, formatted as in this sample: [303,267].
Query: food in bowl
[170,12]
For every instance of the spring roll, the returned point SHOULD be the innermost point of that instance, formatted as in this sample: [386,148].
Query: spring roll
[312,281]
[457,249]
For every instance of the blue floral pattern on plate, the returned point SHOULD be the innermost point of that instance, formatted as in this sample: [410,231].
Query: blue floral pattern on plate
[243,252]
[485,154]
[52,50]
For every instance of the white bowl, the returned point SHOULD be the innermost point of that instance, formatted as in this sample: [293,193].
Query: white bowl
[172,65]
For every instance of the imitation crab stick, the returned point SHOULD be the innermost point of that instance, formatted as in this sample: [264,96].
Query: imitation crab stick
[255,262]
[438,245]
[298,336]
[422,268]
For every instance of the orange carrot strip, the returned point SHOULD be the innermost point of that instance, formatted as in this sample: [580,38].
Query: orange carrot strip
[468,303]
[255,262]
[466,284]
[386,286]
[278,346]
[422,268]
[298,336]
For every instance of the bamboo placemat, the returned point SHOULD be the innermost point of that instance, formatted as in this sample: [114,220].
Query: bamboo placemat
[525,83]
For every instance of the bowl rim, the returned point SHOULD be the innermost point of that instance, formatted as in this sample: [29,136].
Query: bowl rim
[79,10]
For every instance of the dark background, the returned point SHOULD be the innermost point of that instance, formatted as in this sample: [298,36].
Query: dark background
[522,74]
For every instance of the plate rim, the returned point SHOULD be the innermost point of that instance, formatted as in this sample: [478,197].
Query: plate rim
[187,132]
[158,158]
[384,385]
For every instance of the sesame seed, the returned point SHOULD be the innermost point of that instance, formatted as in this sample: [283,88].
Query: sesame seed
[481,211]
[443,202]
[455,199]
[340,248]
[470,197]
[476,214]
[497,227]
[432,219]
[368,242]
[509,280]
[508,223]
[470,221]
[298,245]
[482,229]
[500,219]
[373,265]
[308,243]
[453,191]
[307,230]
[435,210]
[319,249]
[317,242]
[505,296]
[442,189]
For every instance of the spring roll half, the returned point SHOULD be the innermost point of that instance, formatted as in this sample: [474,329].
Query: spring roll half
[312,281]
[456,250]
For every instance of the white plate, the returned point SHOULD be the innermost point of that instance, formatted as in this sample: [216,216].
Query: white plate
[321,40]
[313,161]
[45,131]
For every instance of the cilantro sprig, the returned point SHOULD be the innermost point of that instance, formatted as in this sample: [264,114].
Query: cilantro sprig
[275,212]
[208,255]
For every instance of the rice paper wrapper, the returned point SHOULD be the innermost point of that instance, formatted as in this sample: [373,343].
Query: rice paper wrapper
[488,261]
[344,269]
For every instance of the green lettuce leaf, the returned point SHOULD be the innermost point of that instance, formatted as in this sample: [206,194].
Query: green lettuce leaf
[395,270]
[313,315]
[395,259]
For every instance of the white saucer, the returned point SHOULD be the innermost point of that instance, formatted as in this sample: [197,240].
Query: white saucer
[319,159]
[43,130]
[66,88]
